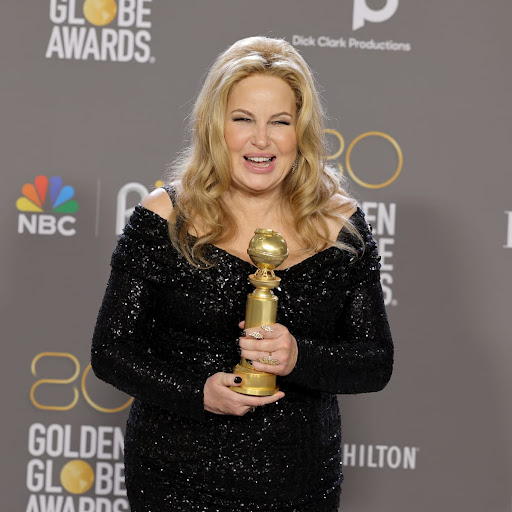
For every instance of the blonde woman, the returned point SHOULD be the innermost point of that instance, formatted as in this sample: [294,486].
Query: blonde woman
[168,332]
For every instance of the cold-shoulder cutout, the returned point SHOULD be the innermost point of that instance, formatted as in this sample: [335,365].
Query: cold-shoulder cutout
[159,202]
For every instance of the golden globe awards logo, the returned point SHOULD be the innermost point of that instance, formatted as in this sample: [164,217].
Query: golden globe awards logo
[73,468]
[100,30]
[77,469]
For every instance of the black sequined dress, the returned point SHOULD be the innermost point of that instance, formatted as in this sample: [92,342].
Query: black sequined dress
[164,327]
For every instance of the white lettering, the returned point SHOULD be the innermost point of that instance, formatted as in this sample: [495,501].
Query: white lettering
[386,280]
[55,44]
[35,475]
[108,44]
[36,445]
[72,19]
[508,245]
[58,12]
[385,254]
[142,38]
[394,457]
[126,13]
[28,223]
[46,225]
[66,219]
[68,452]
[88,439]
[410,457]
[119,486]
[104,442]
[103,480]
[303,41]
[49,487]
[141,12]
[86,504]
[73,41]
[91,46]
[380,456]
[122,213]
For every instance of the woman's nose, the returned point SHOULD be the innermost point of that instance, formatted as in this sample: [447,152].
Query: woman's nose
[260,139]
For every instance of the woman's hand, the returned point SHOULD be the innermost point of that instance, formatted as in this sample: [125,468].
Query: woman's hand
[219,399]
[276,345]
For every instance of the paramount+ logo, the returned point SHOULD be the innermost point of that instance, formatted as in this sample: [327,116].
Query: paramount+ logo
[362,13]
[43,195]
[100,30]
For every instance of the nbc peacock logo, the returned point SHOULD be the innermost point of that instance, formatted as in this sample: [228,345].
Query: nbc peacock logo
[40,202]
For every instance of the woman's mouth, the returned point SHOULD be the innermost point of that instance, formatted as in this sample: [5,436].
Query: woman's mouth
[260,161]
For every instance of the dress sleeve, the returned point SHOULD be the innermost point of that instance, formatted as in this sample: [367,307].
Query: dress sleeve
[359,357]
[121,353]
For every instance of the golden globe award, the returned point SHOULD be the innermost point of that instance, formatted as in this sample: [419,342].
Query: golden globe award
[267,251]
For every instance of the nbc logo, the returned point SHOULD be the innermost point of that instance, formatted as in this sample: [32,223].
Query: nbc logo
[80,30]
[36,196]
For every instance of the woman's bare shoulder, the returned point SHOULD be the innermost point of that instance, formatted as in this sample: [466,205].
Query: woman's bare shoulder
[345,205]
[159,202]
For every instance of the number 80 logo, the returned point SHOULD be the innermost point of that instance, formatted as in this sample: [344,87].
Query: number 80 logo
[351,147]
[71,379]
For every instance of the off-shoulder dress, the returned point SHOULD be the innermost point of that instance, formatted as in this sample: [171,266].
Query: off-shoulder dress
[165,326]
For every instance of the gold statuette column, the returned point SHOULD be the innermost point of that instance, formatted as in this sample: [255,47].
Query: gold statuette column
[267,250]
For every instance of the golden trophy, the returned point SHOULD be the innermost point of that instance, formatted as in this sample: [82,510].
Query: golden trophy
[267,250]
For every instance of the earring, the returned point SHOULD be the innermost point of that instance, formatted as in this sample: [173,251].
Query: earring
[295,164]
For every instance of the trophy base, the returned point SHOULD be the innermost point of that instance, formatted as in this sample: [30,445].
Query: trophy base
[255,383]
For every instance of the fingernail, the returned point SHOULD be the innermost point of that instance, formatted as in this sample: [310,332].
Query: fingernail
[249,361]
[238,379]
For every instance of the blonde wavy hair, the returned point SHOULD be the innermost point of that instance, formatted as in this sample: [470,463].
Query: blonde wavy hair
[203,170]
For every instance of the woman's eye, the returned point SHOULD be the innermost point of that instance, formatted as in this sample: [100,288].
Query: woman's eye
[246,119]
[286,123]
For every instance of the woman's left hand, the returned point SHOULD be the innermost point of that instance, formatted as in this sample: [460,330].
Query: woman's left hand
[277,345]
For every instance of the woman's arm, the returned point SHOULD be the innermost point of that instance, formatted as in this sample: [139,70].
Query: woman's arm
[121,354]
[360,358]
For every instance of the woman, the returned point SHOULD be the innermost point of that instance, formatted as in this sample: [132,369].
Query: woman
[168,332]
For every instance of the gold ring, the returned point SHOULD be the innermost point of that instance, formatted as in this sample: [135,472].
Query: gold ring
[256,335]
[266,328]
[269,360]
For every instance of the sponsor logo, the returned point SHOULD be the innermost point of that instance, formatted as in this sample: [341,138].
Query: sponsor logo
[123,212]
[100,30]
[43,195]
[379,456]
[351,43]
[362,13]
[508,244]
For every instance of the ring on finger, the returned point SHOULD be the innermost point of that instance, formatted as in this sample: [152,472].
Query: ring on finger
[256,335]
[252,409]
[267,328]
[269,360]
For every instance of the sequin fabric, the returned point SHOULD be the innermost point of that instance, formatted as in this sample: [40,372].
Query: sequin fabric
[164,327]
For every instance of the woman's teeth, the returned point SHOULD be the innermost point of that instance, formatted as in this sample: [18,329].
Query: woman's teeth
[260,161]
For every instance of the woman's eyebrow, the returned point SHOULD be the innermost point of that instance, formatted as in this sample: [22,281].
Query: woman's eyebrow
[251,114]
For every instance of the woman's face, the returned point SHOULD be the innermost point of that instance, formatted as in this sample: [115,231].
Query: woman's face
[260,133]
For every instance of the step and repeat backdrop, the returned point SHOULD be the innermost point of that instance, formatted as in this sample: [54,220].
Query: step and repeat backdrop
[94,100]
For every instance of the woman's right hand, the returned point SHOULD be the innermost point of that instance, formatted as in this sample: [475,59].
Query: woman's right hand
[219,399]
